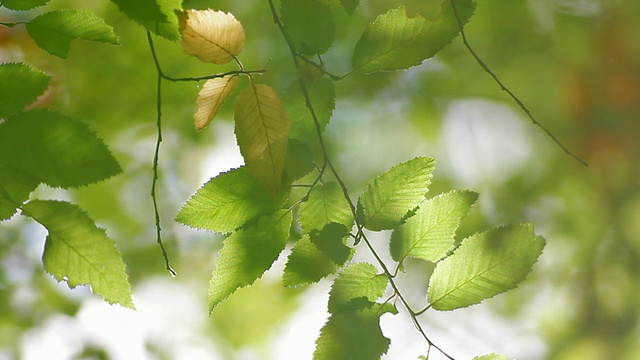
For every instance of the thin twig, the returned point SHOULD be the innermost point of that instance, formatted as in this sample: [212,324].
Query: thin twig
[154,182]
[509,92]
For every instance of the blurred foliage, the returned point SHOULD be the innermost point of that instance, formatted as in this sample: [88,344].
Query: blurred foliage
[575,64]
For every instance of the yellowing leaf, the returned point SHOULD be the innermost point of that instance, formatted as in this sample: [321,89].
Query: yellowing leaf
[213,93]
[213,36]
[262,130]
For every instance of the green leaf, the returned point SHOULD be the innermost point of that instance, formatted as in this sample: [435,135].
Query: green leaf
[388,199]
[227,202]
[491,357]
[22,5]
[359,280]
[323,97]
[247,254]
[78,252]
[55,30]
[142,10]
[15,187]
[58,150]
[262,130]
[349,5]
[168,27]
[484,265]
[298,161]
[307,264]
[395,41]
[354,334]
[326,204]
[310,25]
[330,240]
[429,234]
[20,85]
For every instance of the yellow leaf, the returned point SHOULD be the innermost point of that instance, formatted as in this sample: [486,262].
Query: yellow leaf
[213,93]
[212,36]
[262,130]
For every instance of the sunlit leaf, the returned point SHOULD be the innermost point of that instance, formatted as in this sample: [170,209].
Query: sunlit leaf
[310,25]
[359,280]
[213,36]
[349,5]
[429,234]
[54,148]
[330,240]
[247,254]
[491,357]
[20,85]
[157,16]
[15,187]
[323,97]
[262,130]
[484,265]
[55,30]
[326,204]
[389,198]
[79,253]
[394,41]
[213,93]
[142,10]
[307,264]
[227,202]
[23,4]
[354,333]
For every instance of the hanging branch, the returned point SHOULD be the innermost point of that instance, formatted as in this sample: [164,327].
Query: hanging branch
[522,106]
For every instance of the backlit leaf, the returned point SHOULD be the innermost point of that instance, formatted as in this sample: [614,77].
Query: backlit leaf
[79,253]
[484,265]
[247,254]
[23,4]
[227,202]
[307,264]
[330,240]
[326,204]
[429,234]
[15,187]
[359,280]
[141,10]
[213,36]
[55,30]
[323,97]
[262,130]
[157,16]
[20,85]
[213,93]
[310,25]
[56,149]
[354,333]
[395,41]
[389,198]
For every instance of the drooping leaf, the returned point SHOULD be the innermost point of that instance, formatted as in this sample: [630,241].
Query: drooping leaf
[388,199]
[354,334]
[349,5]
[209,35]
[323,97]
[310,25]
[429,234]
[262,130]
[247,254]
[21,5]
[56,149]
[307,264]
[55,30]
[15,187]
[20,85]
[395,41]
[79,253]
[491,357]
[359,280]
[326,204]
[484,265]
[227,202]
[213,93]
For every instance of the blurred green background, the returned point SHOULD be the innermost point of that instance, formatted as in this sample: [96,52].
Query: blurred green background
[576,64]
